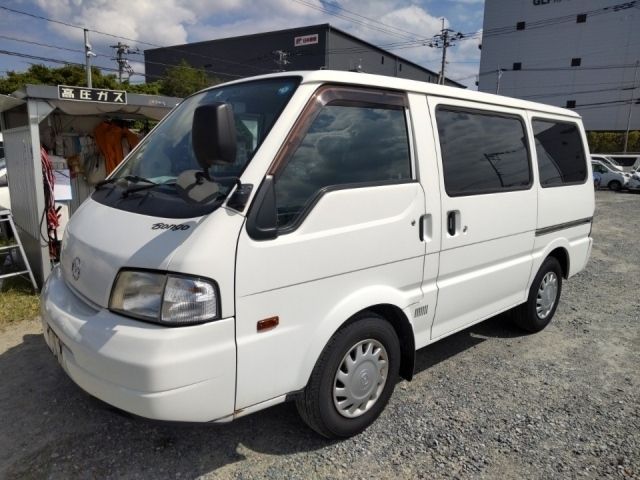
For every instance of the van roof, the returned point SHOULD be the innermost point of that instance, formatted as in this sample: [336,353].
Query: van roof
[383,81]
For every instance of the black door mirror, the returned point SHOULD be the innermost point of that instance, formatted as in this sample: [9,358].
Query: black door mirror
[213,135]
[3,180]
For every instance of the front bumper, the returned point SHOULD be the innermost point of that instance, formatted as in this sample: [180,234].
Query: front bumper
[178,374]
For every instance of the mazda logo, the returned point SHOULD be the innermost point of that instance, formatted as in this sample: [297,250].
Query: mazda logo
[75,268]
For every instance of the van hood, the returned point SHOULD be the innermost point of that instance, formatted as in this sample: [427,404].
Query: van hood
[100,240]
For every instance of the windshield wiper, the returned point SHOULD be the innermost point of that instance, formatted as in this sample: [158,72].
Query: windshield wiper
[129,178]
[131,190]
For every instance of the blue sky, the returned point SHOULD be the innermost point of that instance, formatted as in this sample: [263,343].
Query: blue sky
[170,22]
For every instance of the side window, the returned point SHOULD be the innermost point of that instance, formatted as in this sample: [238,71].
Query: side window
[561,158]
[345,145]
[482,152]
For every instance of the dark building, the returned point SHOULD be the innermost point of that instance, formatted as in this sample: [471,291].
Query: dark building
[305,48]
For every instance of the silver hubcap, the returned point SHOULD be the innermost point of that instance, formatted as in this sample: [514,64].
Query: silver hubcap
[360,378]
[547,294]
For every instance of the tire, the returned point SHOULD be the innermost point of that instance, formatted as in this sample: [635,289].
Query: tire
[614,185]
[536,313]
[325,404]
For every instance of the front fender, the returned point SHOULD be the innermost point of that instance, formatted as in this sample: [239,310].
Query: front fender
[340,315]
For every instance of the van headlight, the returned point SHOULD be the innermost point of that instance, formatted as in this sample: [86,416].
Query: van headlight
[166,298]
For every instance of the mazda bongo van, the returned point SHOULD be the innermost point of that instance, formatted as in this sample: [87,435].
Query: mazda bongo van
[298,236]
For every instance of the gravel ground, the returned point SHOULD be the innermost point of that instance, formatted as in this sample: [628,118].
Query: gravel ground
[489,402]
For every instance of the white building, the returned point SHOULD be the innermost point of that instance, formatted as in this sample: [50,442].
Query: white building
[579,54]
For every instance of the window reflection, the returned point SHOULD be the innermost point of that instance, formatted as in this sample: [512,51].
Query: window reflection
[344,145]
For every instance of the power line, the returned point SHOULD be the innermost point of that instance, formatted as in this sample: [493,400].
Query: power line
[580,92]
[383,28]
[510,29]
[103,55]
[47,45]
[615,8]
[410,42]
[553,69]
[110,69]
[209,57]
[49,59]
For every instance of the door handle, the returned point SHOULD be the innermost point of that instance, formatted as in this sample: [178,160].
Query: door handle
[451,222]
[425,228]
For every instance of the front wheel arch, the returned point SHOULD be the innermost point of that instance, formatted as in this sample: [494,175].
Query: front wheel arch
[318,403]
[614,185]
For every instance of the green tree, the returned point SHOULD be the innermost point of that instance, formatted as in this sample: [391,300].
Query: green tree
[612,142]
[183,80]
[151,88]
[73,75]
[65,75]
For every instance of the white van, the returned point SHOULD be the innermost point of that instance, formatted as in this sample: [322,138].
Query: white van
[299,235]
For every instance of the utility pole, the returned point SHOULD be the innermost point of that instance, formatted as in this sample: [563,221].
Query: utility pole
[87,56]
[281,58]
[500,72]
[122,50]
[445,44]
[633,91]
[444,40]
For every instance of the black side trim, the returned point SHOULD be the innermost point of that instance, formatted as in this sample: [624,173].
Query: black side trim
[563,226]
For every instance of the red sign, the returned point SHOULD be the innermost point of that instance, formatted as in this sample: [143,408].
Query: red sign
[305,40]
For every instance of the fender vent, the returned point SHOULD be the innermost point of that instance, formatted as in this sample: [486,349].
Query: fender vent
[420,311]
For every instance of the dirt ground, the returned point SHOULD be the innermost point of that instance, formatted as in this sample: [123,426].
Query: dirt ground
[488,402]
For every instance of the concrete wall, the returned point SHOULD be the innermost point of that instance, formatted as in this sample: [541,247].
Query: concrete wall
[609,37]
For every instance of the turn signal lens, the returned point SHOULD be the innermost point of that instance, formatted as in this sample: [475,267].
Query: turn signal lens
[188,300]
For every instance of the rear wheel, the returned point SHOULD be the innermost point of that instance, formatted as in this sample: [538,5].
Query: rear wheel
[544,294]
[353,379]
[614,185]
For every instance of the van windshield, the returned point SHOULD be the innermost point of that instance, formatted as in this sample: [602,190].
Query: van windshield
[167,151]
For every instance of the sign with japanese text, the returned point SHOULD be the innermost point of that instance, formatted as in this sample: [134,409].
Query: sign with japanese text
[84,94]
[305,40]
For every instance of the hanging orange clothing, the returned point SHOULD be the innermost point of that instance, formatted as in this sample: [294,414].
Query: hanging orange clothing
[109,140]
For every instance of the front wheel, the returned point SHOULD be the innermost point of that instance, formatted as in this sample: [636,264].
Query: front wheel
[615,185]
[543,299]
[353,379]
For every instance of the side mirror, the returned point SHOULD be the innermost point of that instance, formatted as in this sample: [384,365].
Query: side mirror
[213,135]
[262,220]
[3,180]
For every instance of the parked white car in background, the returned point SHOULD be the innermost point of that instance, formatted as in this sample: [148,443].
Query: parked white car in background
[625,160]
[634,179]
[610,162]
[609,178]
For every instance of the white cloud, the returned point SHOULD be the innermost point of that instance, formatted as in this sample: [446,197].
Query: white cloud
[171,22]
[156,21]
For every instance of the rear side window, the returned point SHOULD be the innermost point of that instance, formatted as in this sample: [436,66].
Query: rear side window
[625,161]
[345,145]
[560,153]
[482,152]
